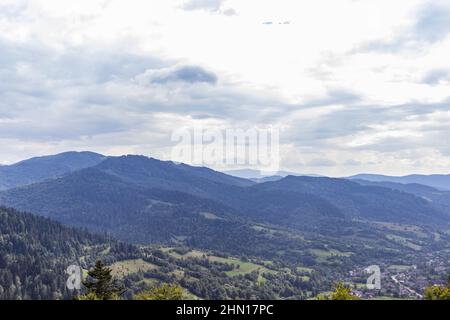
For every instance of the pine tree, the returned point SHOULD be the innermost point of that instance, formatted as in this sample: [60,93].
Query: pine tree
[101,285]
[341,292]
[438,292]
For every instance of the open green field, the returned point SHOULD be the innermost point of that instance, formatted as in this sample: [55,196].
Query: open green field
[399,268]
[126,267]
[403,241]
[305,270]
[419,232]
[386,298]
[210,216]
[322,255]
[189,254]
[240,267]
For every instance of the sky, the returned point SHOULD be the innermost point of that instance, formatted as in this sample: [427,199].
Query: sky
[353,85]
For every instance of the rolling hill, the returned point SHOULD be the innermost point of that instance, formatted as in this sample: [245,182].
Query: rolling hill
[363,202]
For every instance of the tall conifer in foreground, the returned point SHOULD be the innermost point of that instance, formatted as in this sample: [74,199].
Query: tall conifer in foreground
[101,285]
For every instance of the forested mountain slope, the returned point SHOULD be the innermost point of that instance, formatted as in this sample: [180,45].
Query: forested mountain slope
[360,201]
[35,253]
[42,168]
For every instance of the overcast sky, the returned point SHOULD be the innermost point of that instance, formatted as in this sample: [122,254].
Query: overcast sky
[354,85]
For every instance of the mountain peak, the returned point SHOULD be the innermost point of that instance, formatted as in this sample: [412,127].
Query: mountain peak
[46,167]
[62,155]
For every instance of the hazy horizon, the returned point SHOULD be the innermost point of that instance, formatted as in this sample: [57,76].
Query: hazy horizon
[263,173]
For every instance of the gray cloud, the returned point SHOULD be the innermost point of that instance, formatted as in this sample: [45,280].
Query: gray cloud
[49,95]
[189,74]
[208,5]
[434,77]
[358,121]
[321,162]
[74,65]
[352,163]
[229,12]
[432,25]
[108,99]
[335,96]
[13,9]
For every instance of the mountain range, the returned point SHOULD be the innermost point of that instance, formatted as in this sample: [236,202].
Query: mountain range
[146,200]
[290,221]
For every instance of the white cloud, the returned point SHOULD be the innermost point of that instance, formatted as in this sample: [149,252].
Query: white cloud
[359,84]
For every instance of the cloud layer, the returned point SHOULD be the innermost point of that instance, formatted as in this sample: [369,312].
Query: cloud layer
[363,89]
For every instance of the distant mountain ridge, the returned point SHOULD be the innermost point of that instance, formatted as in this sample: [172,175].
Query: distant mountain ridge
[256,175]
[414,188]
[48,167]
[439,198]
[361,201]
[438,181]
